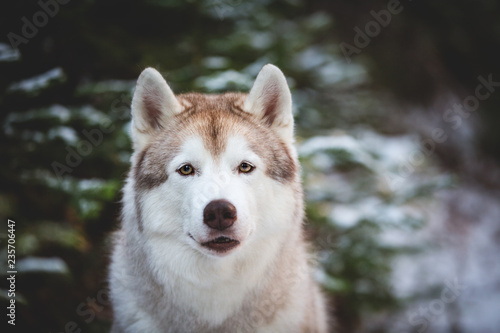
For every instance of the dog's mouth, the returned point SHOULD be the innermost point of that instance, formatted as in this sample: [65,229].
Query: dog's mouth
[221,244]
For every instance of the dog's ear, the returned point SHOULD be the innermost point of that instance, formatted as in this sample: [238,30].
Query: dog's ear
[271,101]
[153,105]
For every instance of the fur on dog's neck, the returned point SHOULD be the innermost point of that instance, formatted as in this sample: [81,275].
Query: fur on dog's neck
[210,288]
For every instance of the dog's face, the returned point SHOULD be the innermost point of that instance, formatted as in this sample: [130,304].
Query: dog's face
[212,172]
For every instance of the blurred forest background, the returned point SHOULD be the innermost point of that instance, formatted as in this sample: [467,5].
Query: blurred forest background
[396,125]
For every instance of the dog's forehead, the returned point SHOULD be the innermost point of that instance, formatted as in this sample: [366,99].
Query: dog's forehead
[197,146]
[195,102]
[216,120]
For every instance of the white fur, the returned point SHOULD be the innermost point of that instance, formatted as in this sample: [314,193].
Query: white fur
[175,209]
[196,285]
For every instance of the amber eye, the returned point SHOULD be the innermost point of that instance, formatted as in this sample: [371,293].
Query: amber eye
[186,170]
[245,167]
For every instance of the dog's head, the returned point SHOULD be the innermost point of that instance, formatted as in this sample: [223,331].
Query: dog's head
[214,172]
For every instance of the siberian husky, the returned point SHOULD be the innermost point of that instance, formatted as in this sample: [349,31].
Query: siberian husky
[212,237]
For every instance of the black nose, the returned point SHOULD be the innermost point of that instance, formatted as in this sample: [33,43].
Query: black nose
[219,214]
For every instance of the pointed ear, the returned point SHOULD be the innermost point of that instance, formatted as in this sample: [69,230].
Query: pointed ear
[153,105]
[270,100]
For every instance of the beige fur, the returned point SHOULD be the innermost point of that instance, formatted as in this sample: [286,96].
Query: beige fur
[162,279]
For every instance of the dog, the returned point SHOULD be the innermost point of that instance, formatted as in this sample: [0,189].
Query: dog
[212,233]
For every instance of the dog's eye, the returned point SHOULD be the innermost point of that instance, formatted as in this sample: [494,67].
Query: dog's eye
[186,170]
[245,167]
